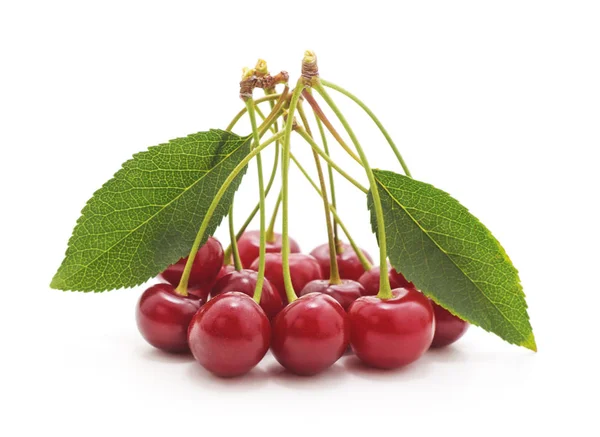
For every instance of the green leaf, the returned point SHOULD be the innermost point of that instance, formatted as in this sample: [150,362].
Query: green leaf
[146,217]
[452,257]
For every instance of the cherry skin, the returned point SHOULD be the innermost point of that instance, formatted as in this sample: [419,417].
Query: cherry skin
[370,281]
[249,246]
[207,264]
[303,269]
[348,263]
[310,334]
[244,281]
[345,293]
[224,271]
[163,317]
[229,335]
[448,327]
[394,332]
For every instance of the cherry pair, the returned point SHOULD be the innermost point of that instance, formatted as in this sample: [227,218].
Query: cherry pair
[163,315]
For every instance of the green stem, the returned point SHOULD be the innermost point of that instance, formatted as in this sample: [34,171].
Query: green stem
[239,115]
[183,284]
[271,228]
[261,189]
[257,207]
[320,114]
[275,112]
[336,236]
[359,253]
[385,291]
[375,120]
[337,168]
[237,262]
[285,164]
[334,275]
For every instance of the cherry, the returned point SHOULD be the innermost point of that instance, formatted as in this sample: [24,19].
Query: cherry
[348,263]
[244,281]
[163,317]
[202,292]
[224,271]
[393,332]
[249,246]
[310,334]
[303,269]
[345,293]
[370,280]
[207,264]
[448,327]
[230,334]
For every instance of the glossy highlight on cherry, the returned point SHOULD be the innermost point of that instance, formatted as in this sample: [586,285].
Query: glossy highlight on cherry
[229,335]
[310,334]
[245,281]
[391,333]
[207,265]
[346,292]
[370,280]
[348,263]
[163,317]
[303,269]
[249,246]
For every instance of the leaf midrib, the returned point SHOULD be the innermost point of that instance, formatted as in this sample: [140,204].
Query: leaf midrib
[85,266]
[451,260]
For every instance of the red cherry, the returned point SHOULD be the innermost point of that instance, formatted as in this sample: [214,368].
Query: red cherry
[448,327]
[203,291]
[207,264]
[244,281]
[303,269]
[310,334]
[345,293]
[163,317]
[348,263]
[249,246]
[230,334]
[224,271]
[370,281]
[393,332]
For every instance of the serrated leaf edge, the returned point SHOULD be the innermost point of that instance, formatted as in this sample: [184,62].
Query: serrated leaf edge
[56,284]
[529,339]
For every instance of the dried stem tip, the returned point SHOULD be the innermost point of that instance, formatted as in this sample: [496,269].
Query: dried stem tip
[248,83]
[268,82]
[310,69]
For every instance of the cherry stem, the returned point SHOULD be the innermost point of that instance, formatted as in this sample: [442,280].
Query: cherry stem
[261,188]
[271,228]
[237,262]
[338,244]
[285,164]
[183,284]
[275,113]
[253,213]
[336,167]
[366,264]
[240,114]
[334,276]
[385,290]
[375,120]
[321,115]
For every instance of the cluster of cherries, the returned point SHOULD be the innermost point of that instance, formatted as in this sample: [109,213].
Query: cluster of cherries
[230,333]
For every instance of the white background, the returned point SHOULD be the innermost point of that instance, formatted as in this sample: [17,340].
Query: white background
[497,103]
